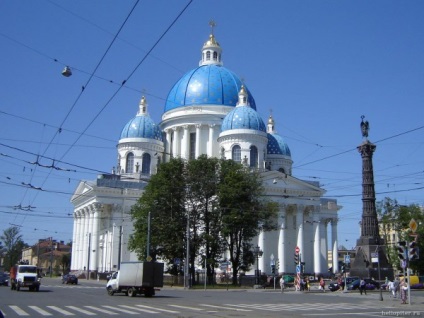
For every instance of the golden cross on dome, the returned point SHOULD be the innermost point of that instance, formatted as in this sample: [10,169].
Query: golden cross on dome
[212,25]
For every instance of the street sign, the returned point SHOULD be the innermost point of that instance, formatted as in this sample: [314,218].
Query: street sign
[297,250]
[347,259]
[413,225]
[297,268]
[177,261]
[374,257]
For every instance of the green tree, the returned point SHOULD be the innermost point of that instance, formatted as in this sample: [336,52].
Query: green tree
[12,241]
[220,203]
[245,213]
[65,262]
[393,216]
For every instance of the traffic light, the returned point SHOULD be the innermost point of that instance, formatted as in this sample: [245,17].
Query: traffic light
[277,264]
[296,258]
[273,269]
[413,251]
[302,267]
[401,250]
[343,269]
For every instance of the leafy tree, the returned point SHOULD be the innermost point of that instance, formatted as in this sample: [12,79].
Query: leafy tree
[244,211]
[216,202]
[65,262]
[14,245]
[397,217]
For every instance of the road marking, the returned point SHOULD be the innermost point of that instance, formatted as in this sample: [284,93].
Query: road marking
[101,310]
[89,313]
[62,311]
[19,311]
[160,309]
[122,310]
[40,311]
[143,310]
[220,307]
[186,307]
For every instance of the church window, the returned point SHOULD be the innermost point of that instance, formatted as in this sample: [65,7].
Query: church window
[253,157]
[145,166]
[236,154]
[215,56]
[208,55]
[129,167]
[192,153]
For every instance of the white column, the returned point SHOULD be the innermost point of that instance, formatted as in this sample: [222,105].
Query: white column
[334,244]
[85,238]
[300,225]
[317,243]
[167,145]
[74,236]
[80,239]
[176,142]
[211,140]
[186,142]
[198,152]
[94,260]
[261,244]
[281,241]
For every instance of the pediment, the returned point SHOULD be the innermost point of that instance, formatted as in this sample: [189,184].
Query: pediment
[83,189]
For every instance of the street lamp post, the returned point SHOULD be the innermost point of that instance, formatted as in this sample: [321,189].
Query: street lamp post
[258,253]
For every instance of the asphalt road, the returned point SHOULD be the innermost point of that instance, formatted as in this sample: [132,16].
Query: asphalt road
[89,298]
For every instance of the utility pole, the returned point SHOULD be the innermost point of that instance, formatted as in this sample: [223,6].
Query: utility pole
[88,257]
[119,247]
[51,256]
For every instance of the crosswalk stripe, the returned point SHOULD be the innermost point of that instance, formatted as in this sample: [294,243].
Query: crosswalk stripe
[213,306]
[62,311]
[89,313]
[159,309]
[108,312]
[19,311]
[40,311]
[186,307]
[122,310]
[140,309]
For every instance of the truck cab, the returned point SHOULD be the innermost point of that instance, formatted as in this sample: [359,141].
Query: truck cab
[25,276]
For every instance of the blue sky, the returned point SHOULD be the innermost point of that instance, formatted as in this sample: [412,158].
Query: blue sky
[316,65]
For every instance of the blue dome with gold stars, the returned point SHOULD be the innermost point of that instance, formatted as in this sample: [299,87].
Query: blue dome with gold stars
[277,145]
[210,84]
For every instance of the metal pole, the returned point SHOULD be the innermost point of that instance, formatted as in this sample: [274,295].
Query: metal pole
[88,258]
[119,247]
[379,273]
[51,257]
[148,236]
[187,269]
[205,271]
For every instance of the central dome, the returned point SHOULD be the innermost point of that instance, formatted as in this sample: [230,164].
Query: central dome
[206,85]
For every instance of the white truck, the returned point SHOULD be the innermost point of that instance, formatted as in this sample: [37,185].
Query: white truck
[136,278]
[24,276]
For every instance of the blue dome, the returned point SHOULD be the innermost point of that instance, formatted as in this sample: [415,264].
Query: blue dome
[243,117]
[207,84]
[141,127]
[276,145]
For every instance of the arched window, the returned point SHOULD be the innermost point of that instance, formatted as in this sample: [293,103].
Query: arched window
[208,55]
[145,165]
[215,56]
[236,154]
[129,167]
[253,157]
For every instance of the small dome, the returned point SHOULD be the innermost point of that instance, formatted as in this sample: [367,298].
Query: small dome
[142,126]
[277,145]
[206,85]
[243,117]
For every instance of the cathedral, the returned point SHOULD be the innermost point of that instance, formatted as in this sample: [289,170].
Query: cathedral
[208,111]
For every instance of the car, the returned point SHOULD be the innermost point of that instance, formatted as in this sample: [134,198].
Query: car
[4,279]
[333,286]
[69,279]
[370,284]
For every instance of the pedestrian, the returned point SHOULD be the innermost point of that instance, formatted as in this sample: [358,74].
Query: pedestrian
[390,287]
[404,291]
[307,284]
[396,285]
[362,286]
[282,283]
[322,284]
